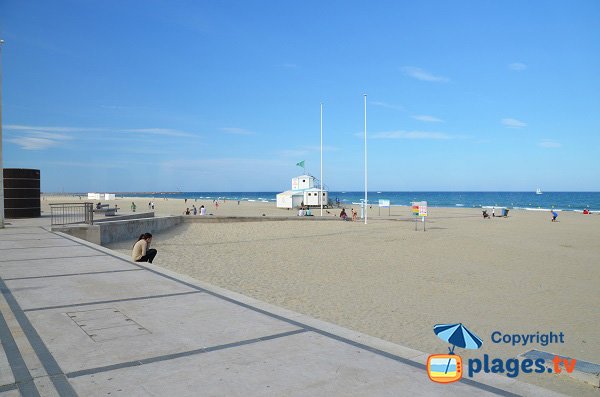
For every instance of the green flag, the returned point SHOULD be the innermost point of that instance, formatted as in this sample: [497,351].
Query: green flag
[301,164]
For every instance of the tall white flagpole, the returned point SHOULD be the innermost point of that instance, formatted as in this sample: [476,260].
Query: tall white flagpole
[365,203]
[321,193]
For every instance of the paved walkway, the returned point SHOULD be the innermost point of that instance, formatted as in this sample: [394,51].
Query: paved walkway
[78,319]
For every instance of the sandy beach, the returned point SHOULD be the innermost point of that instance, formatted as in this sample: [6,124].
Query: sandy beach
[515,275]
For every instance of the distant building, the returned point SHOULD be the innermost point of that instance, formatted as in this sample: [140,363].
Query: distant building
[305,191]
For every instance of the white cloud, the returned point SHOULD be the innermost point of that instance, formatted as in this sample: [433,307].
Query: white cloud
[387,105]
[160,131]
[513,123]
[31,137]
[236,131]
[424,75]
[226,162]
[427,119]
[33,143]
[517,66]
[411,135]
[20,127]
[549,144]
[107,164]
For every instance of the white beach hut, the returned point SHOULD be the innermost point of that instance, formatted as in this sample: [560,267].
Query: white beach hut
[305,191]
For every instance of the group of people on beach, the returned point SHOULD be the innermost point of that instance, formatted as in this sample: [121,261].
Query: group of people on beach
[194,210]
[344,216]
[304,211]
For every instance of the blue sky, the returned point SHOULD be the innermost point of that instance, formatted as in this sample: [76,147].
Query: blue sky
[224,96]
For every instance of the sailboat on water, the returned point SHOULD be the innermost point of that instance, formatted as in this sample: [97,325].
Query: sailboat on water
[538,191]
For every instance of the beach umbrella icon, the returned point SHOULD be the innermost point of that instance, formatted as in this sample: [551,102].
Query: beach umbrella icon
[457,335]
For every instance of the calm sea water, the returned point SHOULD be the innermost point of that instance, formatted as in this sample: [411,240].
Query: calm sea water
[558,200]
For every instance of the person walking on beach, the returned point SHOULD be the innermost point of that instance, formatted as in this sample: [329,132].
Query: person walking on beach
[152,204]
[141,249]
[132,206]
[354,215]
[194,209]
[554,215]
[149,205]
[202,210]
[217,204]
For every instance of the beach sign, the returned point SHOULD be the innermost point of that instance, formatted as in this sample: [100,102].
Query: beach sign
[419,208]
[423,208]
[384,203]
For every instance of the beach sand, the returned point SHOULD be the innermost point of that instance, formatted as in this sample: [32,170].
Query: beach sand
[520,274]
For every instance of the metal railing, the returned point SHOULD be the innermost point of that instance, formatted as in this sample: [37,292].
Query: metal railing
[72,213]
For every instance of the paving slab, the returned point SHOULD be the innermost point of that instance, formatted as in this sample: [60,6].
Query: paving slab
[297,365]
[6,375]
[42,293]
[174,324]
[38,243]
[45,253]
[18,231]
[54,267]
[39,236]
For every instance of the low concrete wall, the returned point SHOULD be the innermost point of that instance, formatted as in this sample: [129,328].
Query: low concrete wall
[129,229]
[120,230]
[89,233]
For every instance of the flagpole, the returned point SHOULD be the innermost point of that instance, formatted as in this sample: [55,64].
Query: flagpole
[365,203]
[321,192]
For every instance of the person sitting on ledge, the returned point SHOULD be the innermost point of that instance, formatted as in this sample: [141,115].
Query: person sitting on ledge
[141,249]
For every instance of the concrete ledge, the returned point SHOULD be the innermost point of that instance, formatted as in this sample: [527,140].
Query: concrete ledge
[583,371]
[119,230]
[89,233]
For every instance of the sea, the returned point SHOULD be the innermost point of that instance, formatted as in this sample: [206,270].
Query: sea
[565,201]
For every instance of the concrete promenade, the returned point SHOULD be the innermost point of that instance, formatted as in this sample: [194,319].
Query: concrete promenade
[78,319]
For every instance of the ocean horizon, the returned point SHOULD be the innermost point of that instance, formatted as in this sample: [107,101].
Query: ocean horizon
[565,201]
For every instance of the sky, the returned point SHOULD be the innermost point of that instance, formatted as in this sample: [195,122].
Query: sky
[123,96]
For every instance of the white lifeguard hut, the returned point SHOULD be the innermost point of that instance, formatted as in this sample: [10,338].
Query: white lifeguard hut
[306,190]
